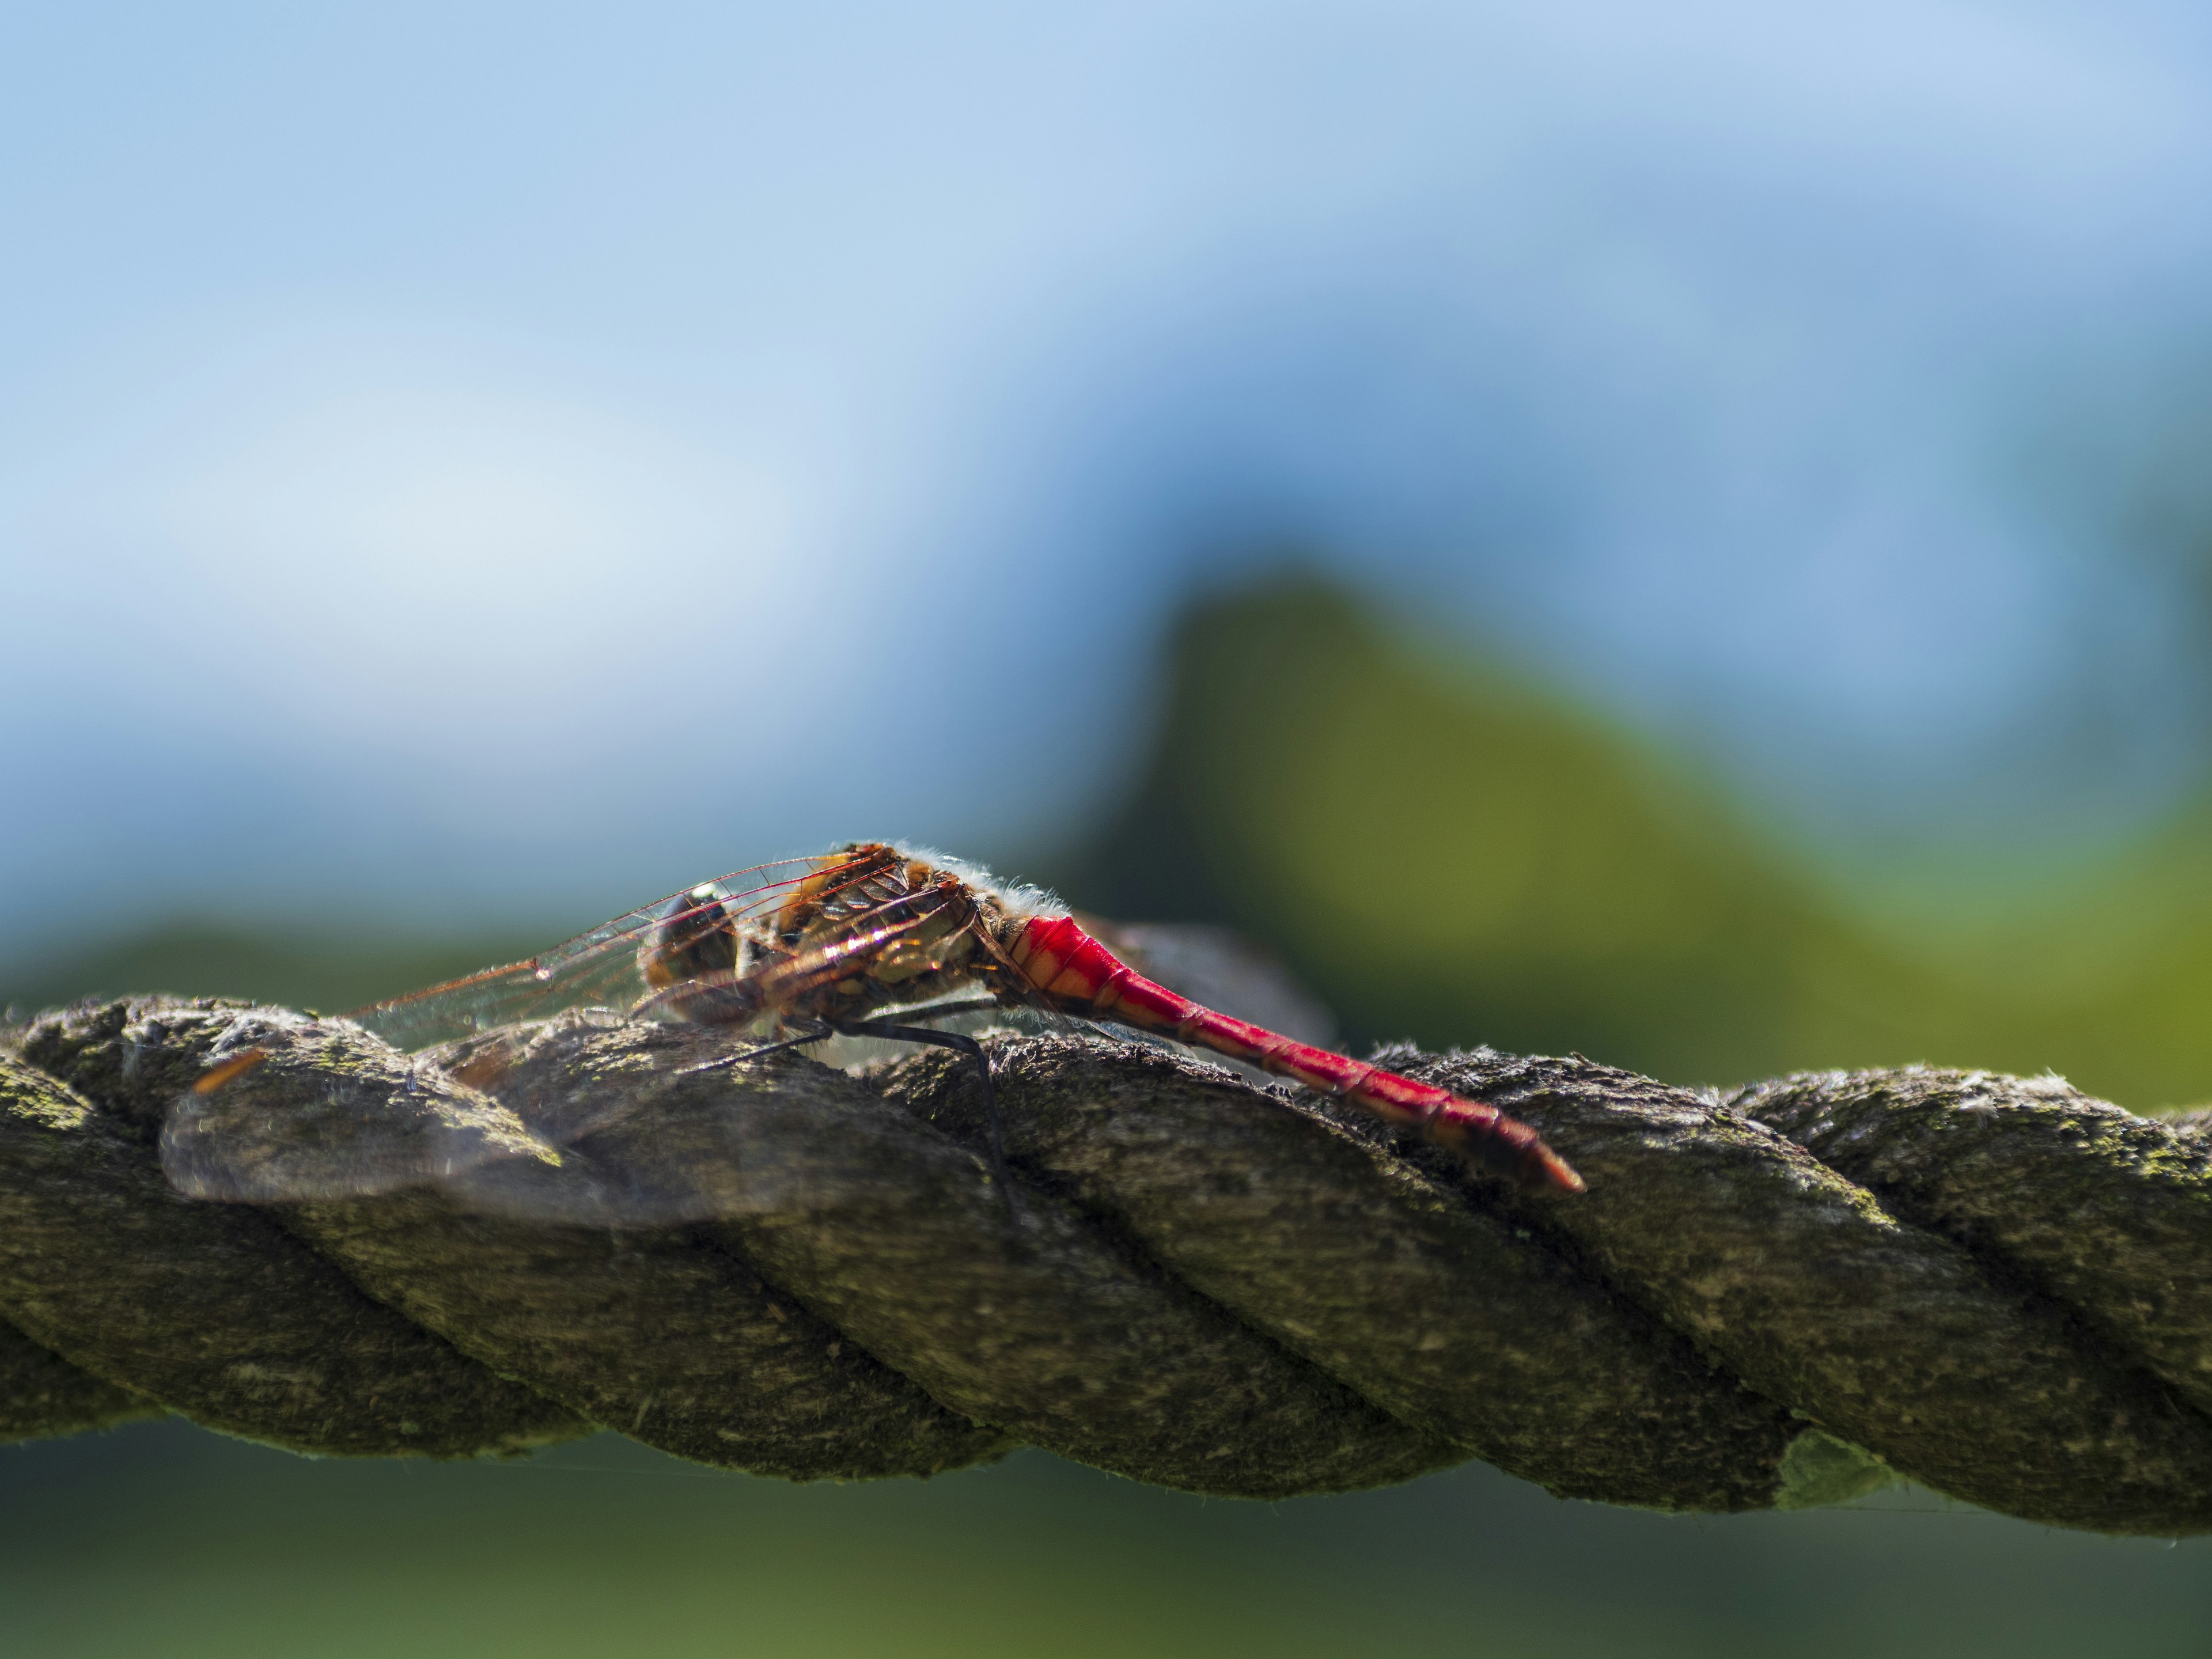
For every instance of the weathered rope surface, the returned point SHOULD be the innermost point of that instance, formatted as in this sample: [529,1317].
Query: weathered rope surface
[1996,1287]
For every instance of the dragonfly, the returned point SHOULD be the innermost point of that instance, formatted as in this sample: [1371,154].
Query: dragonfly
[879,940]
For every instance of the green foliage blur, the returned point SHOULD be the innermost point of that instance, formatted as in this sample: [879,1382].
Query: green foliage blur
[1450,854]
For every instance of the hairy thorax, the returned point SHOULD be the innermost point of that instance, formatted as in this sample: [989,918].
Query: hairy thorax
[928,933]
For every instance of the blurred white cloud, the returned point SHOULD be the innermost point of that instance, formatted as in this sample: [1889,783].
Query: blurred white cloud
[398,555]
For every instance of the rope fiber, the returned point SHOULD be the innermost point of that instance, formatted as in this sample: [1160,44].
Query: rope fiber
[1784,1296]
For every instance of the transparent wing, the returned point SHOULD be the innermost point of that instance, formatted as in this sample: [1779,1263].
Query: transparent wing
[294,1110]
[598,969]
[587,1096]
[661,1126]
[581,1121]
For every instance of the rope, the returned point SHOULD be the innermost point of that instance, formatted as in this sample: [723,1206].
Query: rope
[1781,1297]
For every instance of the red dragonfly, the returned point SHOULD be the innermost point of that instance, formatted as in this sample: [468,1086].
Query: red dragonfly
[878,941]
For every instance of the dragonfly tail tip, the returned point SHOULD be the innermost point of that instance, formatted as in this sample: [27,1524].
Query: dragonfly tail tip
[1557,1173]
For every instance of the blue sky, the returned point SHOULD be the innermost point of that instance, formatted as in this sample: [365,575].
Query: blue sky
[495,461]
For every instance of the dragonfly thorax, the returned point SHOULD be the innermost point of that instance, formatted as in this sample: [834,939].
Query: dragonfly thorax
[870,929]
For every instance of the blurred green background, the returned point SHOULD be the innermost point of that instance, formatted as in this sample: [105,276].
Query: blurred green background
[1444,851]
[467,468]
[1455,853]
[161,1539]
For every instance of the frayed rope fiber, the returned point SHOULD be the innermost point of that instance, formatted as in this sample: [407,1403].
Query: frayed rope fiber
[1784,1295]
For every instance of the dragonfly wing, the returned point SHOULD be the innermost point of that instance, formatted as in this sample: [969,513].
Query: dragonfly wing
[581,1121]
[655,1125]
[647,1133]
[309,1110]
[519,993]
[597,968]
[1218,969]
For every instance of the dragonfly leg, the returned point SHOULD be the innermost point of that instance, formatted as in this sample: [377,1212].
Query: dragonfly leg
[815,1035]
[974,1050]
[934,1010]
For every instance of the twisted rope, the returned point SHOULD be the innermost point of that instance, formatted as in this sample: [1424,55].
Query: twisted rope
[1779,1297]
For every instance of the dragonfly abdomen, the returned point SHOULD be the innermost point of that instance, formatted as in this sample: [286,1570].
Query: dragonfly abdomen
[1073,971]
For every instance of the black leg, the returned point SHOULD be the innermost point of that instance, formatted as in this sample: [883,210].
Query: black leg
[974,1050]
[776,1048]
[935,1010]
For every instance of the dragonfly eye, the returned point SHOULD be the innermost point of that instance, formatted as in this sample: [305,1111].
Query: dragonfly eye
[693,937]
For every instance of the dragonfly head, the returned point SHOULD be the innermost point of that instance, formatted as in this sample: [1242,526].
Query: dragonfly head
[693,938]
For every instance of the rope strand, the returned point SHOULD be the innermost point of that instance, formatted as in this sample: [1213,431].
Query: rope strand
[1784,1295]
